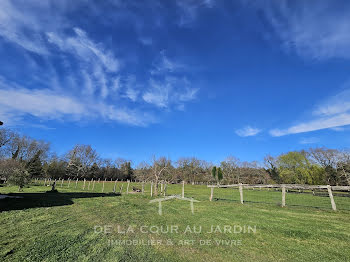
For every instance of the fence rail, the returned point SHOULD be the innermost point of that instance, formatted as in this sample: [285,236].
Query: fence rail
[283,187]
[287,186]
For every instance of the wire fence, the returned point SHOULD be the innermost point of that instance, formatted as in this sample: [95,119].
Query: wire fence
[317,197]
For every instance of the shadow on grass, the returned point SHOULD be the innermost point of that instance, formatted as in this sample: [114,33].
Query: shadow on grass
[33,200]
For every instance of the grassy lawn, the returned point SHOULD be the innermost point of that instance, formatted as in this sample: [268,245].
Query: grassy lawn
[60,226]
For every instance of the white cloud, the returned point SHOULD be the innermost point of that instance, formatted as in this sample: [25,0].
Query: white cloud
[318,30]
[309,140]
[83,47]
[313,125]
[170,91]
[39,103]
[188,94]
[146,40]
[338,129]
[17,102]
[116,84]
[12,28]
[188,10]
[89,87]
[165,65]
[132,94]
[157,95]
[78,76]
[332,113]
[132,117]
[340,103]
[248,131]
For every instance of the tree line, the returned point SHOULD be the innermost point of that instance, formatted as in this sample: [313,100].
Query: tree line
[23,158]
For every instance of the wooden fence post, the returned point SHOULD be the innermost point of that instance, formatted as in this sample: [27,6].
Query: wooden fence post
[164,192]
[211,193]
[183,189]
[76,183]
[241,192]
[103,185]
[84,184]
[151,189]
[127,188]
[334,207]
[115,185]
[283,195]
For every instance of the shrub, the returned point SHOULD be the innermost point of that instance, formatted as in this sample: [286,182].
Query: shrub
[19,177]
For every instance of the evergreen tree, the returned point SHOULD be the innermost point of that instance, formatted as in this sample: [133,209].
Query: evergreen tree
[217,173]
[220,174]
[73,168]
[213,172]
[56,169]
[94,171]
[34,166]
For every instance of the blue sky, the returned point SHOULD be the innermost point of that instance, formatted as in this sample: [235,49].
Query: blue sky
[177,78]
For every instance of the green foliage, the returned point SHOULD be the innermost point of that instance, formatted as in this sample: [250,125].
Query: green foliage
[56,169]
[20,177]
[74,168]
[93,171]
[213,172]
[294,168]
[220,174]
[126,170]
[318,175]
[34,166]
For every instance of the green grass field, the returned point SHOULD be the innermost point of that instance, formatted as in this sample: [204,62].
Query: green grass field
[60,226]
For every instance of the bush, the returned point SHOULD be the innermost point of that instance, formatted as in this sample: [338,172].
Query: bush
[19,177]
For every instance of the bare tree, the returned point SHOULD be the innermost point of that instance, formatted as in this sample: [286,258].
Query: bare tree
[143,172]
[190,168]
[159,167]
[5,136]
[324,156]
[230,167]
[328,159]
[344,166]
[81,158]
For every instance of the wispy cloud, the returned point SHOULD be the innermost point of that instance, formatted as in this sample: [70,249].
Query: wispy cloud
[309,140]
[49,105]
[157,94]
[314,125]
[318,30]
[248,131]
[163,64]
[82,77]
[146,40]
[86,49]
[169,85]
[188,10]
[170,91]
[39,103]
[338,129]
[332,113]
[12,28]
